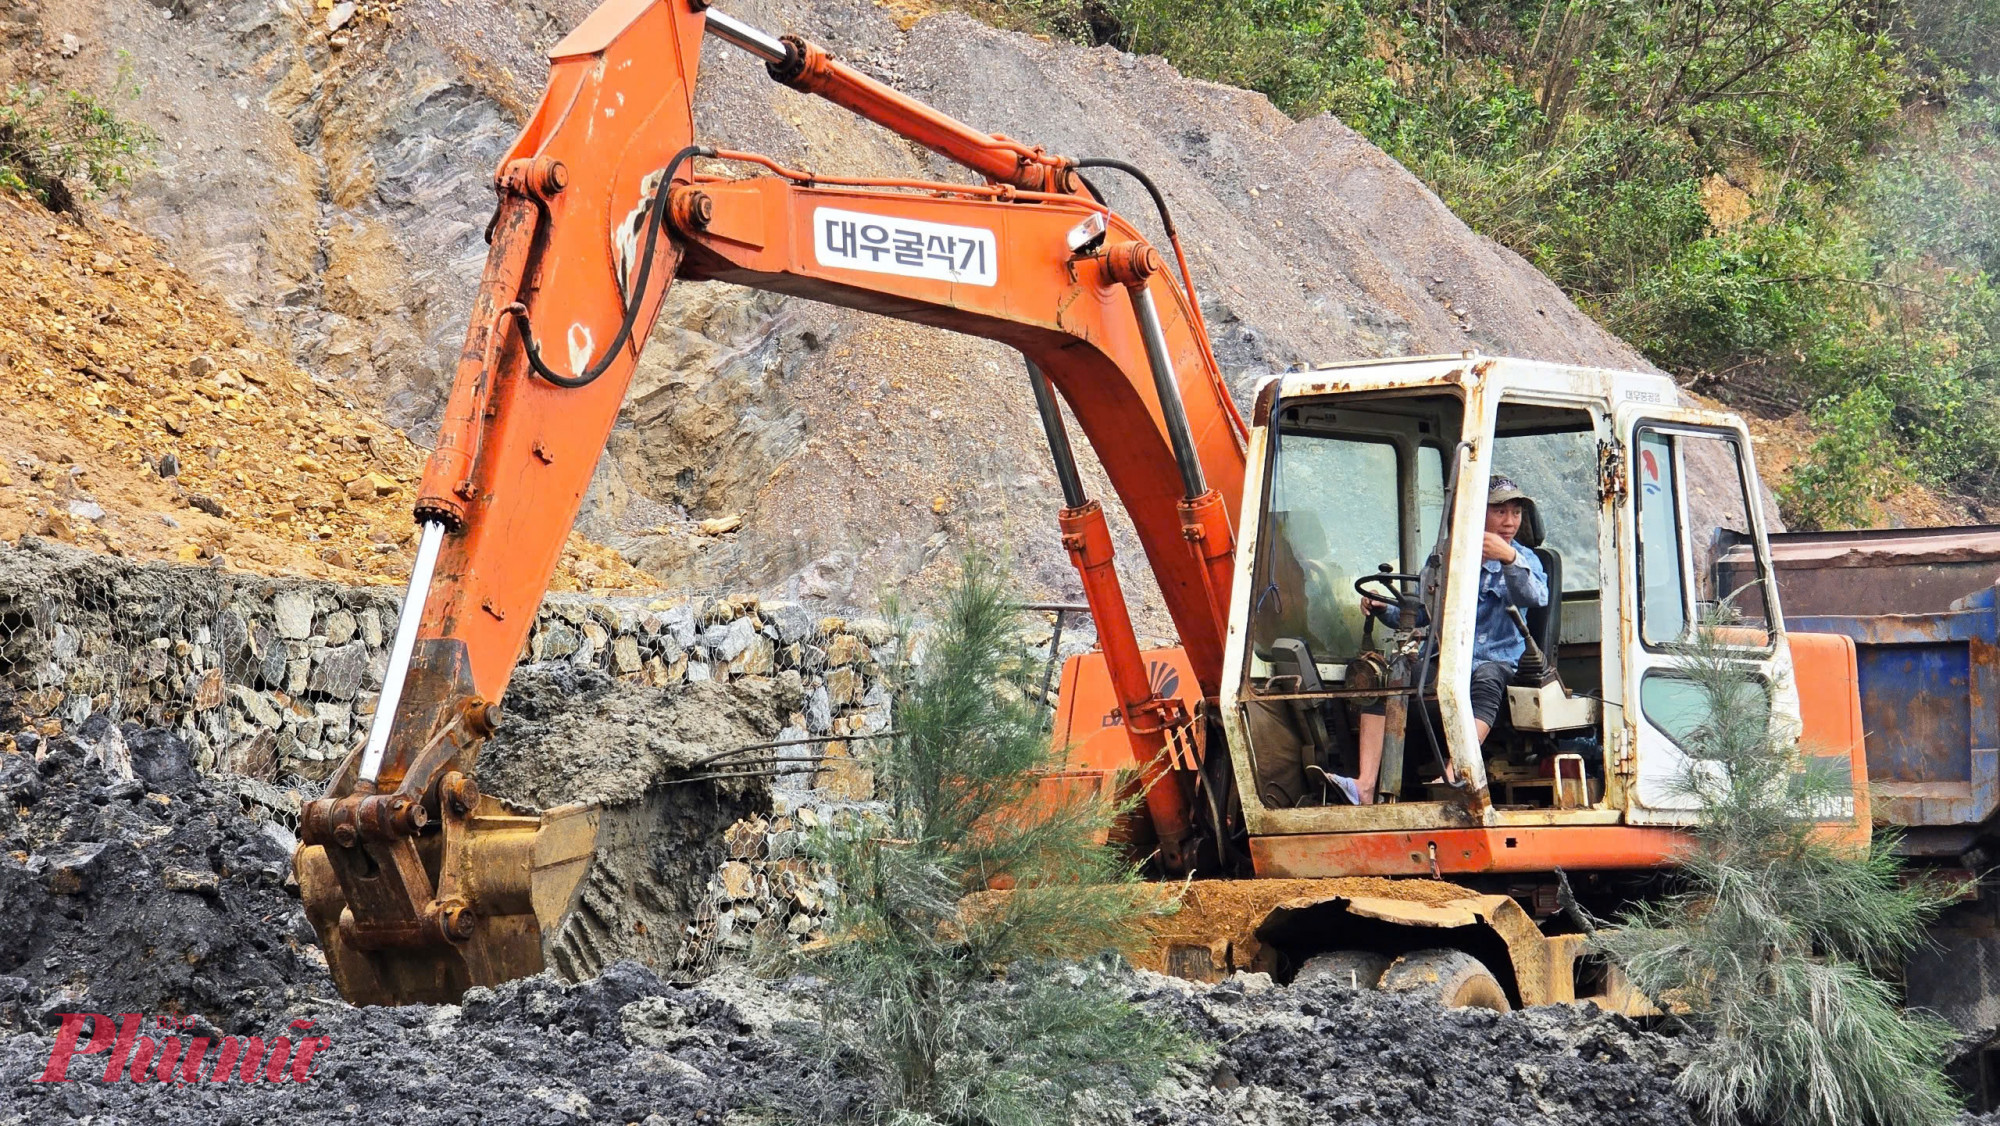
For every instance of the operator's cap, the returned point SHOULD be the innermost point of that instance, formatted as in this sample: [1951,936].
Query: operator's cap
[1501,488]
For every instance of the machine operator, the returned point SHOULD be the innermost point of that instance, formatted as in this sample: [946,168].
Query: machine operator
[1509,574]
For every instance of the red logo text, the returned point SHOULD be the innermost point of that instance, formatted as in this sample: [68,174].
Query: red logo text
[162,1058]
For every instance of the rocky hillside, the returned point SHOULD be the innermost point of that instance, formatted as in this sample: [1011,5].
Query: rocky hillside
[144,420]
[325,169]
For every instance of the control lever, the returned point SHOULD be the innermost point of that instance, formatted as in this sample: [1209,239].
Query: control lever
[1534,669]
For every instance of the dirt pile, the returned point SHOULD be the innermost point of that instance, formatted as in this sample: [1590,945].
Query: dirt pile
[130,884]
[625,1047]
[1321,1053]
[575,735]
[134,885]
[145,421]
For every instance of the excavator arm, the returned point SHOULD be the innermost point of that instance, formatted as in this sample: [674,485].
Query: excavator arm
[421,886]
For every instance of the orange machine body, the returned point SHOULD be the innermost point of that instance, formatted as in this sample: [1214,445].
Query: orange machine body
[1087,720]
[517,451]
[606,199]
[601,206]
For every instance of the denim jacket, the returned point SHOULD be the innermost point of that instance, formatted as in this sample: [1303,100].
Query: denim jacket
[1494,637]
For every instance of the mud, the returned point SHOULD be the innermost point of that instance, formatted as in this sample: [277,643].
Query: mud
[128,884]
[131,884]
[624,1047]
[1323,1053]
[573,734]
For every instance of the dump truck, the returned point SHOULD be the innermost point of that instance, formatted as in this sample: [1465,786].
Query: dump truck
[1264,532]
[1922,609]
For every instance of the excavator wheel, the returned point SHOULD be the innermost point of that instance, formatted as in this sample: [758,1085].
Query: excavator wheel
[1453,978]
[1351,969]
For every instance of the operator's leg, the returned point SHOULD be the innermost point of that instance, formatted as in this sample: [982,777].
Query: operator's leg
[1488,690]
[1371,725]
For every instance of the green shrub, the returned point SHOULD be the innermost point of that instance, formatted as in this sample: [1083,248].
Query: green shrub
[982,1014]
[54,142]
[1852,464]
[1594,137]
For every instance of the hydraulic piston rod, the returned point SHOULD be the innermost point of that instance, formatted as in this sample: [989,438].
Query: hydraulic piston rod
[399,654]
[1058,435]
[1173,411]
[808,68]
[736,33]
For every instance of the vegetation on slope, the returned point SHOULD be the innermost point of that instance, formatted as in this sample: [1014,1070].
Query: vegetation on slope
[1788,204]
[55,142]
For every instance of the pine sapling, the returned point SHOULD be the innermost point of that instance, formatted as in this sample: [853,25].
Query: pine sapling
[1776,944]
[994,1012]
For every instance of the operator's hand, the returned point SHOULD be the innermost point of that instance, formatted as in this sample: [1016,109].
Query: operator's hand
[1370,605]
[1498,549]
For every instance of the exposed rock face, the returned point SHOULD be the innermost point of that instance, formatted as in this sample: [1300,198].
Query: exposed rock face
[335,186]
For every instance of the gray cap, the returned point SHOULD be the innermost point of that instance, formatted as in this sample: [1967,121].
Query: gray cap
[1501,488]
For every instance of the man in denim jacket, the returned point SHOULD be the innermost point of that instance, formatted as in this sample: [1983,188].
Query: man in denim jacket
[1509,574]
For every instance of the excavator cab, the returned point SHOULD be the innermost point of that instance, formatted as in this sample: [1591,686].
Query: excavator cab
[1371,479]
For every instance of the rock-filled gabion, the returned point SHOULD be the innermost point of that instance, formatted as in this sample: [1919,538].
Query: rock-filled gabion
[277,679]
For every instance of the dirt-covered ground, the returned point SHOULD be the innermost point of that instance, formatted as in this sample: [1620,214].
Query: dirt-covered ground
[145,421]
[156,894]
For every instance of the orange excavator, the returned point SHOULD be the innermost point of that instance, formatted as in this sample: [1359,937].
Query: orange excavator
[1352,479]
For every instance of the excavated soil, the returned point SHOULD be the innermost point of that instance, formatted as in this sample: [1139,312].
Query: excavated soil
[1321,1053]
[575,735]
[131,885]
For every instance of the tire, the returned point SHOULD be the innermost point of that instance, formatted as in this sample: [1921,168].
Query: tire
[1452,978]
[1349,969]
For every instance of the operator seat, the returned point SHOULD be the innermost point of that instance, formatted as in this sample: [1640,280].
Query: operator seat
[1544,622]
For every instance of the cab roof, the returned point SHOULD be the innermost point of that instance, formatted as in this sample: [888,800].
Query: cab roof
[1603,385]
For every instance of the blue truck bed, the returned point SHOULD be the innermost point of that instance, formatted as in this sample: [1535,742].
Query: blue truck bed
[1921,608]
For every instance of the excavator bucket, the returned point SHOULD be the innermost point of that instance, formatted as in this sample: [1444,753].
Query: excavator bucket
[569,890]
[518,875]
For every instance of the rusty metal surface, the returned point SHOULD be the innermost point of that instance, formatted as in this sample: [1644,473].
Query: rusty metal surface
[1886,571]
[1271,925]
[1929,685]
[505,882]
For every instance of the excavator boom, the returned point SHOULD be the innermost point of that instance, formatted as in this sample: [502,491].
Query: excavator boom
[418,884]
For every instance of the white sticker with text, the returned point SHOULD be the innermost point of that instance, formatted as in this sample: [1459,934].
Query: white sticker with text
[856,240]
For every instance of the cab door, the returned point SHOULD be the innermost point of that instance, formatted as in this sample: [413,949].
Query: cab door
[1691,490]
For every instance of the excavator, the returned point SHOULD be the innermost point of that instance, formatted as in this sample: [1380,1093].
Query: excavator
[1450,871]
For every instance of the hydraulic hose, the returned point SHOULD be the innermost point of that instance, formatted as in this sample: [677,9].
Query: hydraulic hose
[1145,181]
[1173,239]
[656,217]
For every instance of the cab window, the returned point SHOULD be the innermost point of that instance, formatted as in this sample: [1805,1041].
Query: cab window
[1356,485]
[1693,497]
[1559,469]
[1329,485]
[1430,495]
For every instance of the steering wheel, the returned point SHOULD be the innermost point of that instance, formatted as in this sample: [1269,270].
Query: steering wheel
[1388,581]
